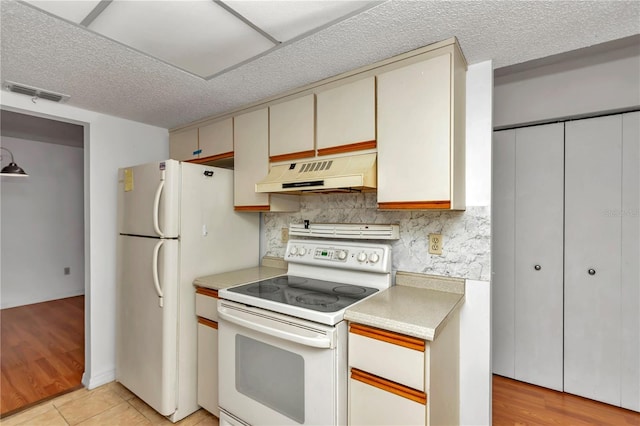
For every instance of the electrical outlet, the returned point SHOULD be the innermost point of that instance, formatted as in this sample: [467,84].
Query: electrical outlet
[285,235]
[435,244]
[67,270]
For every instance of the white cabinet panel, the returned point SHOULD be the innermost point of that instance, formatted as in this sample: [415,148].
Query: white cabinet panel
[414,116]
[421,133]
[592,325]
[397,363]
[346,115]
[503,252]
[216,139]
[370,406]
[539,198]
[292,129]
[183,146]
[208,366]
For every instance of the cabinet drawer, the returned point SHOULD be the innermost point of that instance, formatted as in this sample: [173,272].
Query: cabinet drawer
[397,357]
[207,303]
[371,404]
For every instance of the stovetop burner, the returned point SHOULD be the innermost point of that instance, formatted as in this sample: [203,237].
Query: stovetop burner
[309,293]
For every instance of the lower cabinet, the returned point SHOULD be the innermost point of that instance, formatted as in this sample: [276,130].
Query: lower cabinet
[396,379]
[207,312]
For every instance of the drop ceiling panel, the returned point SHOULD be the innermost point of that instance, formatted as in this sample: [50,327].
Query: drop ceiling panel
[74,11]
[197,36]
[285,20]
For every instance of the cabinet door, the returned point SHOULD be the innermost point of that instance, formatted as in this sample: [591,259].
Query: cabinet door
[183,146]
[630,292]
[292,129]
[208,365]
[216,140]
[414,134]
[592,325]
[251,140]
[373,401]
[539,215]
[503,252]
[346,117]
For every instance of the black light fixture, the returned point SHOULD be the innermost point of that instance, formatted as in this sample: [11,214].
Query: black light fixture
[12,169]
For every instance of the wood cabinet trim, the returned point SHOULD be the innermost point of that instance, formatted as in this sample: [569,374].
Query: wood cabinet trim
[207,323]
[388,337]
[216,157]
[414,205]
[389,386]
[207,292]
[292,156]
[265,208]
[358,146]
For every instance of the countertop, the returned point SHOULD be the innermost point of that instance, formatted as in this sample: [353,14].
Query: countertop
[271,267]
[418,305]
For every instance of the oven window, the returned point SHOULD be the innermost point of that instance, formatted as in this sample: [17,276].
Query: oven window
[270,375]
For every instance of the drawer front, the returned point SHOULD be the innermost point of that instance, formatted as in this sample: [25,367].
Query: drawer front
[371,405]
[207,303]
[389,355]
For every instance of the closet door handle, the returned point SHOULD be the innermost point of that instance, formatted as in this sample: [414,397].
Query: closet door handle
[537,267]
[591,271]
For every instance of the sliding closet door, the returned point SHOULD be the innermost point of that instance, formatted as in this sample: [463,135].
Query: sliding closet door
[538,254]
[527,221]
[592,323]
[630,291]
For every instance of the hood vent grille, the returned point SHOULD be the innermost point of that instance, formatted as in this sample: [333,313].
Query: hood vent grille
[354,231]
[35,92]
[338,174]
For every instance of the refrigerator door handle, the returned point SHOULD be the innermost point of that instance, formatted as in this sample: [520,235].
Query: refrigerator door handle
[156,280]
[156,208]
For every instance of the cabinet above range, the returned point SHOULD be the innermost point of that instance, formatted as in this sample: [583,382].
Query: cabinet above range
[407,111]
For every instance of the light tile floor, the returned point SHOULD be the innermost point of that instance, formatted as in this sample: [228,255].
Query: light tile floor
[111,404]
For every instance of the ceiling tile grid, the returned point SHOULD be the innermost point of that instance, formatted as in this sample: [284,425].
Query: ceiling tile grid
[41,50]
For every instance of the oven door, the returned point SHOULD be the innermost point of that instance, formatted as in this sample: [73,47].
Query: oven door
[279,370]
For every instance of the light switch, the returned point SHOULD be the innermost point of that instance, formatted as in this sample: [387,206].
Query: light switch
[435,244]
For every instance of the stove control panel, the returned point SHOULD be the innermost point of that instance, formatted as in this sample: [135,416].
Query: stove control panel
[337,254]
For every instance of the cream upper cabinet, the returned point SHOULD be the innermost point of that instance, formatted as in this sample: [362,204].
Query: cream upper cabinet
[183,145]
[346,117]
[251,148]
[292,129]
[216,140]
[421,139]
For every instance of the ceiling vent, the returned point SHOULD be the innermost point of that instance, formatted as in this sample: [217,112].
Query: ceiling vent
[34,92]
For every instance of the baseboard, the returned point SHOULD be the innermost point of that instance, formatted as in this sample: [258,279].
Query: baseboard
[99,379]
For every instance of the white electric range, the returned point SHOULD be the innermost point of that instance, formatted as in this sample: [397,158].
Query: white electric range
[282,341]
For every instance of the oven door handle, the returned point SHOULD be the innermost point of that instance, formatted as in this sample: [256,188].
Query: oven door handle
[259,324]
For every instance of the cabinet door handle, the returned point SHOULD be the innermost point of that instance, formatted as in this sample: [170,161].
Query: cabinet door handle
[537,267]
[592,271]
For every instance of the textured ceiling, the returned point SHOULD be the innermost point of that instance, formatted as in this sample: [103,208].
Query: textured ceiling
[101,75]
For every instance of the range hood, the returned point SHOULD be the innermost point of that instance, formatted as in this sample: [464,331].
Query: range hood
[340,174]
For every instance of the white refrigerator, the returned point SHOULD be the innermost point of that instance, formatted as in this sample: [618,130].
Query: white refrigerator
[176,222]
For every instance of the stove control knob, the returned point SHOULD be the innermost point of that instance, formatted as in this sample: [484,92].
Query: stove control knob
[341,254]
[362,256]
[374,257]
[302,251]
[293,251]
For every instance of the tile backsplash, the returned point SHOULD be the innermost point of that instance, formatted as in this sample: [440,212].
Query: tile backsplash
[466,234]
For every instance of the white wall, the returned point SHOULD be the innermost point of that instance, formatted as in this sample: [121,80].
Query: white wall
[42,228]
[475,314]
[110,143]
[582,85]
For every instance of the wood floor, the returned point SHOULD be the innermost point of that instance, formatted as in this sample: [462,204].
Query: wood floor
[517,403]
[41,352]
